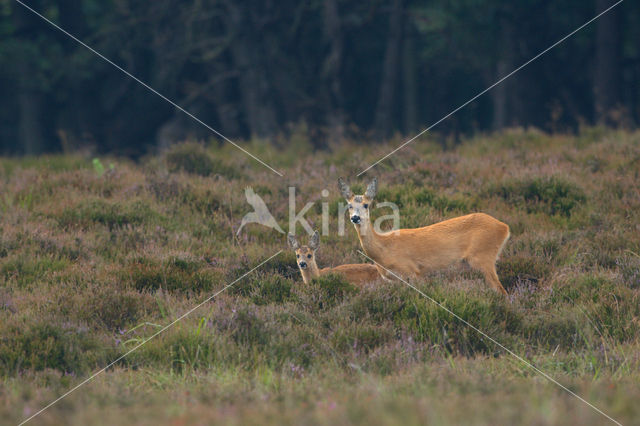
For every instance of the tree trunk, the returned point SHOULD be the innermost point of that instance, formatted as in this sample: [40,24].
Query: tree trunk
[254,87]
[607,68]
[30,125]
[499,97]
[410,82]
[227,111]
[503,95]
[387,95]
[30,128]
[332,70]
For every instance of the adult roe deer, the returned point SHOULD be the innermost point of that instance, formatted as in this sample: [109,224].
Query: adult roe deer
[356,274]
[477,238]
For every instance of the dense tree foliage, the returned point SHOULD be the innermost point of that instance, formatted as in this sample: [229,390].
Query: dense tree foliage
[258,68]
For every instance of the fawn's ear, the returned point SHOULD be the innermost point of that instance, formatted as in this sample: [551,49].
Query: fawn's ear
[344,189]
[314,241]
[293,243]
[372,189]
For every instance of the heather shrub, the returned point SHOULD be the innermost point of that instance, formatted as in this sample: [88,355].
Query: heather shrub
[553,196]
[93,265]
[115,309]
[173,274]
[111,215]
[361,337]
[332,288]
[629,267]
[284,264]
[26,270]
[520,268]
[264,288]
[433,325]
[40,345]
[193,158]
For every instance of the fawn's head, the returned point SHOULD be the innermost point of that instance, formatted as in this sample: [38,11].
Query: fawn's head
[359,205]
[305,255]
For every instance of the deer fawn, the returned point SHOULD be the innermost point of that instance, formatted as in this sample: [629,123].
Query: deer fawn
[357,274]
[477,238]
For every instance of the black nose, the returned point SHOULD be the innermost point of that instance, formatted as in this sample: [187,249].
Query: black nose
[355,219]
[303,264]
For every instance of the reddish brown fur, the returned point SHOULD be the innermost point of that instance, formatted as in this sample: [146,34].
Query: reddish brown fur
[477,238]
[357,274]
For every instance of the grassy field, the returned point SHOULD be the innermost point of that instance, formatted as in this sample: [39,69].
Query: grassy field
[96,256]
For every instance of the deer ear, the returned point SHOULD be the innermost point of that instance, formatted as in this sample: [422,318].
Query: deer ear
[314,241]
[293,243]
[344,189]
[372,189]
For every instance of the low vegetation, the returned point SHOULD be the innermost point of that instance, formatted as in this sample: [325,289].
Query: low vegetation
[93,262]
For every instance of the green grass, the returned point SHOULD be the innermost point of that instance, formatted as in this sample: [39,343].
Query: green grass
[93,261]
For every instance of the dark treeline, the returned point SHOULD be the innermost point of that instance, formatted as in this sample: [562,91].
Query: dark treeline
[257,69]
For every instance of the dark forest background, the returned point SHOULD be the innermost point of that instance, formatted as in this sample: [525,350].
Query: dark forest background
[334,67]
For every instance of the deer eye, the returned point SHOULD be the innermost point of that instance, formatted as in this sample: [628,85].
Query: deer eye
[350,206]
[365,205]
[298,256]
[308,256]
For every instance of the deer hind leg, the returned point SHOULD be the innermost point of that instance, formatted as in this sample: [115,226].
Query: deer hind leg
[492,277]
[486,265]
